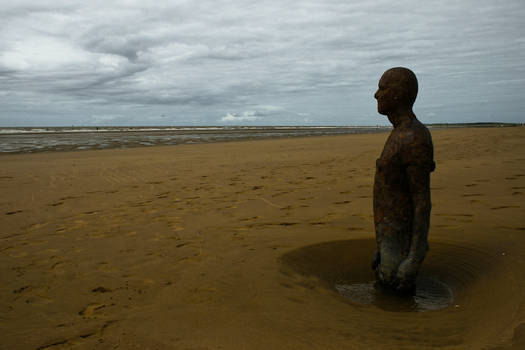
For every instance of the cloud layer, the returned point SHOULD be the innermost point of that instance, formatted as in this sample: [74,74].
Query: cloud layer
[256,62]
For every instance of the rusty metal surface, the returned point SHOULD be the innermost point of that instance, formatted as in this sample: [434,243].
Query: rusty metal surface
[401,185]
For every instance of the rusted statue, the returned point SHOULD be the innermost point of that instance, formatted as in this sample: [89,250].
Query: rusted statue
[401,185]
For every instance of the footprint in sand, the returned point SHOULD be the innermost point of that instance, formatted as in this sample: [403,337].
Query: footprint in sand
[18,254]
[22,289]
[522,228]
[90,310]
[466,215]
[465,218]
[13,212]
[446,226]
[317,223]
[57,265]
[505,207]
[202,295]
[105,267]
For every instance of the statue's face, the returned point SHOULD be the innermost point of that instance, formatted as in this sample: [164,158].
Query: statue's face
[387,94]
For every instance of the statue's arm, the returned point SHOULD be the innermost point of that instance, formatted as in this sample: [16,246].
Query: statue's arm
[419,186]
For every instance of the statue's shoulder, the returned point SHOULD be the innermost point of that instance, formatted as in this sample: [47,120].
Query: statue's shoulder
[416,146]
[415,132]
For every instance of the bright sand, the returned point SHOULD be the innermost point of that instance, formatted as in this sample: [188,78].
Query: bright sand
[237,246]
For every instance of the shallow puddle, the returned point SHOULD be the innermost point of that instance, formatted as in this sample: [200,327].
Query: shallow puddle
[430,294]
[452,276]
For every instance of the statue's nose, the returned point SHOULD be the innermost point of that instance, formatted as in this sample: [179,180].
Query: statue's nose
[375,95]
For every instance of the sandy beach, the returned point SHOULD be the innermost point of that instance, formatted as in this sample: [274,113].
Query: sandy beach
[238,245]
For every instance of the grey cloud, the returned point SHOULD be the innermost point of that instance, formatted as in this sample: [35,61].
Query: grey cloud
[116,45]
[206,59]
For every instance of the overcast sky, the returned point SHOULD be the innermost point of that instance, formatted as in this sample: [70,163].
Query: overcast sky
[262,62]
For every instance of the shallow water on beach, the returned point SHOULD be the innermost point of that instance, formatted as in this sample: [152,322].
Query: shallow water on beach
[446,280]
[461,289]
[430,294]
[31,140]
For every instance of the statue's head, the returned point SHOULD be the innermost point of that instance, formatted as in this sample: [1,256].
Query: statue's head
[397,89]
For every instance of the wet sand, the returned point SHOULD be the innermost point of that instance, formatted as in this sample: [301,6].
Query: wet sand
[240,245]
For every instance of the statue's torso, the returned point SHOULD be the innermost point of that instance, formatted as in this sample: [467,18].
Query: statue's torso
[393,208]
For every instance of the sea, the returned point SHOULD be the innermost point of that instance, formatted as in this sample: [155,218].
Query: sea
[52,139]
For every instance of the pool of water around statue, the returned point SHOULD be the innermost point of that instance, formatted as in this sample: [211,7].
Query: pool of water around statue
[452,276]
[430,294]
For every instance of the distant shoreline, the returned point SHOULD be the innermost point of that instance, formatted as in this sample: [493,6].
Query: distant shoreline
[475,125]
[38,140]
[60,139]
[5,130]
